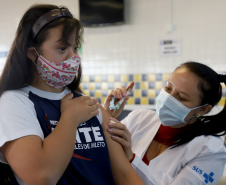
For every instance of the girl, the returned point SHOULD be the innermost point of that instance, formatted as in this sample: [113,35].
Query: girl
[49,132]
[177,143]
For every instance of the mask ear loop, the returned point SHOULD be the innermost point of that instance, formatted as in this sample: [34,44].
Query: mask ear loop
[196,115]
[37,54]
[36,51]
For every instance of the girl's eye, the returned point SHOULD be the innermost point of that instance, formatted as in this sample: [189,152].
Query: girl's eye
[75,48]
[62,48]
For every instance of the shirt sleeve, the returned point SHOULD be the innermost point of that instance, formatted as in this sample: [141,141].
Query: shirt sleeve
[99,117]
[17,118]
[203,170]
[200,171]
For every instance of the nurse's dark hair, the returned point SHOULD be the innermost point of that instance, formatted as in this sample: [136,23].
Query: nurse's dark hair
[19,70]
[211,93]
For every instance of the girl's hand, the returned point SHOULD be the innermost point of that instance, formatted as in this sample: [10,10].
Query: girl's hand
[121,134]
[119,93]
[79,109]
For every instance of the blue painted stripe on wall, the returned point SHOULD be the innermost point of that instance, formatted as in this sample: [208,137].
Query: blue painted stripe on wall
[3,54]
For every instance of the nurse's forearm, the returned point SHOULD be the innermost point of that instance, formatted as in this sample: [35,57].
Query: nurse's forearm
[122,170]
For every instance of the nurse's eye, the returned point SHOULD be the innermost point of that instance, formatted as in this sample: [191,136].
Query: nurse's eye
[167,89]
[182,99]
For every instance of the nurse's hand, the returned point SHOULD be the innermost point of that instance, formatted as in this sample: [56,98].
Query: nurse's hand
[118,93]
[121,134]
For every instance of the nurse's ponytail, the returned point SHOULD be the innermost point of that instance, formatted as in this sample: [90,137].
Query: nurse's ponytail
[215,124]
[211,89]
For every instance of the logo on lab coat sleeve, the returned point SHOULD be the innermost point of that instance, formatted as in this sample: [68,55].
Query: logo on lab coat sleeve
[208,178]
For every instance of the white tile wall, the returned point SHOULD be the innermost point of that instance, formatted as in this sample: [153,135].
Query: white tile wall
[134,46]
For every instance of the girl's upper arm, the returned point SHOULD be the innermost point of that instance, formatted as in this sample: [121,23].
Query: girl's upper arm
[123,172]
[17,118]
[23,154]
[20,133]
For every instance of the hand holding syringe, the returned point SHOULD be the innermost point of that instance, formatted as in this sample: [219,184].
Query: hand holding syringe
[112,103]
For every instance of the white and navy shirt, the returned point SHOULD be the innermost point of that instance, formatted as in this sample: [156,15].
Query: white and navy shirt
[30,111]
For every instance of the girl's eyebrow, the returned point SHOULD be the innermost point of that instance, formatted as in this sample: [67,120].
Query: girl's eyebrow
[62,42]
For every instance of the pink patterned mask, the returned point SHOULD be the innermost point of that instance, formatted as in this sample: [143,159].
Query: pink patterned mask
[58,75]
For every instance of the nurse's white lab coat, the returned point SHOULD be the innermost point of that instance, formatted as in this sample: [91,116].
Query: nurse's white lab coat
[198,162]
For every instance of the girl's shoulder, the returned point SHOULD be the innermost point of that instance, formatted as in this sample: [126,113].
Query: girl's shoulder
[19,95]
[15,101]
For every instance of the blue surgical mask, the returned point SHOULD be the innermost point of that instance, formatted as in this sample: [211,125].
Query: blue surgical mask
[170,111]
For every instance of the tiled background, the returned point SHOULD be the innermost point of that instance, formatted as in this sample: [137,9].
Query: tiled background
[146,88]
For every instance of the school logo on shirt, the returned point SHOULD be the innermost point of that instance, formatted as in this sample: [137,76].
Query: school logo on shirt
[89,137]
[86,137]
[207,178]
